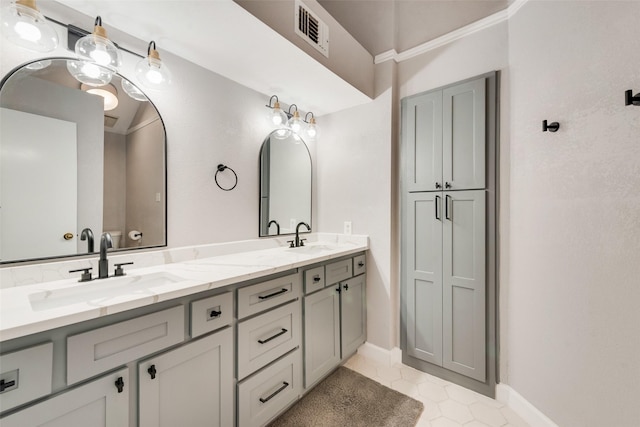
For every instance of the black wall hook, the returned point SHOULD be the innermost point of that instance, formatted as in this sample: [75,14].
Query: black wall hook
[630,99]
[551,127]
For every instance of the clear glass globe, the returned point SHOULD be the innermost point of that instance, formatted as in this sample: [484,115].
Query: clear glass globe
[132,90]
[153,73]
[90,73]
[28,28]
[100,50]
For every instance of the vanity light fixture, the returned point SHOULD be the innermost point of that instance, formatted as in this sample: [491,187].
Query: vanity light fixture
[277,117]
[24,25]
[295,123]
[108,92]
[312,127]
[98,57]
[151,71]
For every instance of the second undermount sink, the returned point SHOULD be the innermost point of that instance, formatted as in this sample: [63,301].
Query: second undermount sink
[99,292]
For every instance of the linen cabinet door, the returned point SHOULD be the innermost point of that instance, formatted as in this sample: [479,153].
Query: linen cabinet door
[353,314]
[189,386]
[464,135]
[100,403]
[321,333]
[422,139]
[423,273]
[464,283]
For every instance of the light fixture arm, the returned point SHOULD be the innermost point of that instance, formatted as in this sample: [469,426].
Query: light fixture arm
[312,117]
[271,99]
[289,113]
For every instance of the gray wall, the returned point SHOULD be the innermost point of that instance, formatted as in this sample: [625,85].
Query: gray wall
[115,182]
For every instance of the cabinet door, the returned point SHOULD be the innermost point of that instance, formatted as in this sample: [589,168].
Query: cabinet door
[321,333]
[463,137]
[423,272]
[353,314]
[422,140]
[464,283]
[189,386]
[96,404]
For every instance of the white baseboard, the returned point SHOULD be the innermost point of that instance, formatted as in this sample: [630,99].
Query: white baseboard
[521,406]
[381,355]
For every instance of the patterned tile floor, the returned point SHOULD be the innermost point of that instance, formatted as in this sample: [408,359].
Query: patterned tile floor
[445,404]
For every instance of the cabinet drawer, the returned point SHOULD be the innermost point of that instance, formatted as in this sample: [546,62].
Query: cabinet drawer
[266,394]
[27,375]
[211,313]
[262,296]
[264,338]
[338,271]
[313,280]
[105,348]
[359,264]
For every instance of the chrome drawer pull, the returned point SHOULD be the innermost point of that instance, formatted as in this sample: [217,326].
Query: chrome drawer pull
[282,332]
[272,395]
[282,291]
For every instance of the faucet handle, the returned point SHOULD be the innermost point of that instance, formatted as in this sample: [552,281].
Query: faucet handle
[86,274]
[291,243]
[302,242]
[119,271]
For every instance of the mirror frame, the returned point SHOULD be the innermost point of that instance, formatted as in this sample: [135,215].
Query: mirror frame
[261,171]
[5,78]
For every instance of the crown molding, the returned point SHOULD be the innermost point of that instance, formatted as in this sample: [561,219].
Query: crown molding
[482,24]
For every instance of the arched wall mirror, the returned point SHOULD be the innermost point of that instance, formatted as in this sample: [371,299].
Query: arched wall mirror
[67,164]
[285,183]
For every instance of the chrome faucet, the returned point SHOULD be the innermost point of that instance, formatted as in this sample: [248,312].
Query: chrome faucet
[273,221]
[298,241]
[87,234]
[103,264]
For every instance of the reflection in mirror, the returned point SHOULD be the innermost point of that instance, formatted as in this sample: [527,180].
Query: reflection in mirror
[285,183]
[73,167]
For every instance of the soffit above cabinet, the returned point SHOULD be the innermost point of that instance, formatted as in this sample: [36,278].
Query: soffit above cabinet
[221,36]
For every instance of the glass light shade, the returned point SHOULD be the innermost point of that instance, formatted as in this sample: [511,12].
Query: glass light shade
[131,90]
[38,65]
[97,48]
[282,133]
[295,123]
[107,92]
[90,73]
[276,116]
[25,26]
[312,129]
[152,72]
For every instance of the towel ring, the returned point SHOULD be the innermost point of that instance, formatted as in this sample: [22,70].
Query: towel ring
[221,168]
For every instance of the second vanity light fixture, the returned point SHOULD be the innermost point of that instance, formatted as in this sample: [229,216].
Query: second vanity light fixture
[291,119]
[151,71]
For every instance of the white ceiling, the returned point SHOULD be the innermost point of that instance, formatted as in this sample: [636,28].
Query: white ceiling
[223,37]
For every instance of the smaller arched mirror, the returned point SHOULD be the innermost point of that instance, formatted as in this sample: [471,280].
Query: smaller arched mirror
[285,183]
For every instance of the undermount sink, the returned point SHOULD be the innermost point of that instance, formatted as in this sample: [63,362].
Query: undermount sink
[312,249]
[98,292]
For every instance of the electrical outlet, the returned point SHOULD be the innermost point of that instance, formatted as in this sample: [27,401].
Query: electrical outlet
[347,227]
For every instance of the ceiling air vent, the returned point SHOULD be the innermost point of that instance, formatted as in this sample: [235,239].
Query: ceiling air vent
[311,28]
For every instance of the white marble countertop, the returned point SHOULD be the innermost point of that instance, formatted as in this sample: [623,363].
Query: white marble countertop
[34,308]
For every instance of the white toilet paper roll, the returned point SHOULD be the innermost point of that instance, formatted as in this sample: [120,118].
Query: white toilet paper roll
[135,235]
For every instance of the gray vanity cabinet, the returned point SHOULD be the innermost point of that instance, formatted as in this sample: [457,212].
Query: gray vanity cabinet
[100,403]
[191,385]
[353,331]
[444,136]
[322,333]
[334,318]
